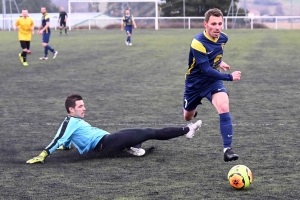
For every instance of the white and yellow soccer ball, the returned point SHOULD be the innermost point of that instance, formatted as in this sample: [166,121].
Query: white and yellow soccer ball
[240,177]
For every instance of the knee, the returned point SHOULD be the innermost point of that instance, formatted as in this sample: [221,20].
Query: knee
[187,117]
[44,44]
[223,108]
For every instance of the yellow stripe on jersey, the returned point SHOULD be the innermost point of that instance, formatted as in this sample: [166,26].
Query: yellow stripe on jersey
[191,67]
[209,38]
[47,16]
[198,46]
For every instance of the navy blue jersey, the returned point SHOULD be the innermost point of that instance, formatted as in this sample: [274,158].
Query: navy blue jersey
[128,20]
[45,19]
[204,61]
[78,132]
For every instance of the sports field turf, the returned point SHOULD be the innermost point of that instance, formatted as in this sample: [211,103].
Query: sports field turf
[142,86]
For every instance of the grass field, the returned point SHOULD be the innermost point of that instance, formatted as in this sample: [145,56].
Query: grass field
[142,86]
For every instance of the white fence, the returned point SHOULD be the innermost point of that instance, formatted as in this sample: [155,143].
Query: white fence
[97,21]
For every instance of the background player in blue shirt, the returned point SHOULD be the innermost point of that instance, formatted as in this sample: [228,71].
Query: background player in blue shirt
[62,20]
[204,79]
[128,21]
[46,32]
[74,130]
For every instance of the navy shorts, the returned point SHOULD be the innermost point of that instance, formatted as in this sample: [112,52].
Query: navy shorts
[46,37]
[193,98]
[128,30]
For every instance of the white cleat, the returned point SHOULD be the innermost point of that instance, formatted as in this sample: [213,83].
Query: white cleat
[193,128]
[44,58]
[135,151]
[126,43]
[130,44]
[55,54]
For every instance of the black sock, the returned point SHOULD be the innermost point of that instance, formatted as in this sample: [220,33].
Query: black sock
[60,31]
[24,54]
[66,30]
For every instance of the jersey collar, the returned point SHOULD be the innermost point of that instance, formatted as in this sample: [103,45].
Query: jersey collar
[209,38]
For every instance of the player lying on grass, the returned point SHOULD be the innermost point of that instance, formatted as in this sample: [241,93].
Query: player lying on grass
[74,130]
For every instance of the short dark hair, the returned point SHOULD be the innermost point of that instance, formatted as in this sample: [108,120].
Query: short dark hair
[71,101]
[213,12]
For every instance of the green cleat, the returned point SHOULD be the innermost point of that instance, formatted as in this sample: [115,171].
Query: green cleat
[25,63]
[21,58]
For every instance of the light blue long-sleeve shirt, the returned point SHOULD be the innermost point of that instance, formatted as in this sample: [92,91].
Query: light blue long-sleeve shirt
[78,132]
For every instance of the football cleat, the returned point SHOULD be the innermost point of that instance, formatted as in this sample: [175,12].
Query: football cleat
[135,151]
[55,54]
[21,58]
[44,58]
[130,44]
[193,128]
[25,63]
[126,43]
[229,155]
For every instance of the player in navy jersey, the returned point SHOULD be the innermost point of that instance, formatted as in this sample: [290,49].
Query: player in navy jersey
[46,32]
[62,20]
[74,130]
[128,21]
[204,79]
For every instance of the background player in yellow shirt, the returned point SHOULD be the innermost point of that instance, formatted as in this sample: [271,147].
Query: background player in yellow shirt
[26,29]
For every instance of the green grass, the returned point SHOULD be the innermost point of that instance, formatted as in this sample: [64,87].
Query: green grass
[142,86]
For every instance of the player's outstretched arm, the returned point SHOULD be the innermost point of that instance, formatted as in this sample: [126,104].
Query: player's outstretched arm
[39,159]
[236,75]
[122,26]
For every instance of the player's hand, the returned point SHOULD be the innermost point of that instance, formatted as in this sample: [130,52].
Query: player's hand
[236,75]
[62,147]
[40,32]
[135,26]
[39,159]
[224,66]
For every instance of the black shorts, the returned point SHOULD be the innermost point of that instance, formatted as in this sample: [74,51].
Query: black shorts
[25,44]
[62,23]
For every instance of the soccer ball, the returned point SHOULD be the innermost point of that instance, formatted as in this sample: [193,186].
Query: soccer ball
[240,177]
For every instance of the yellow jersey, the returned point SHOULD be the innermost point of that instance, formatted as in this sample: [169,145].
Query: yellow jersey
[25,25]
